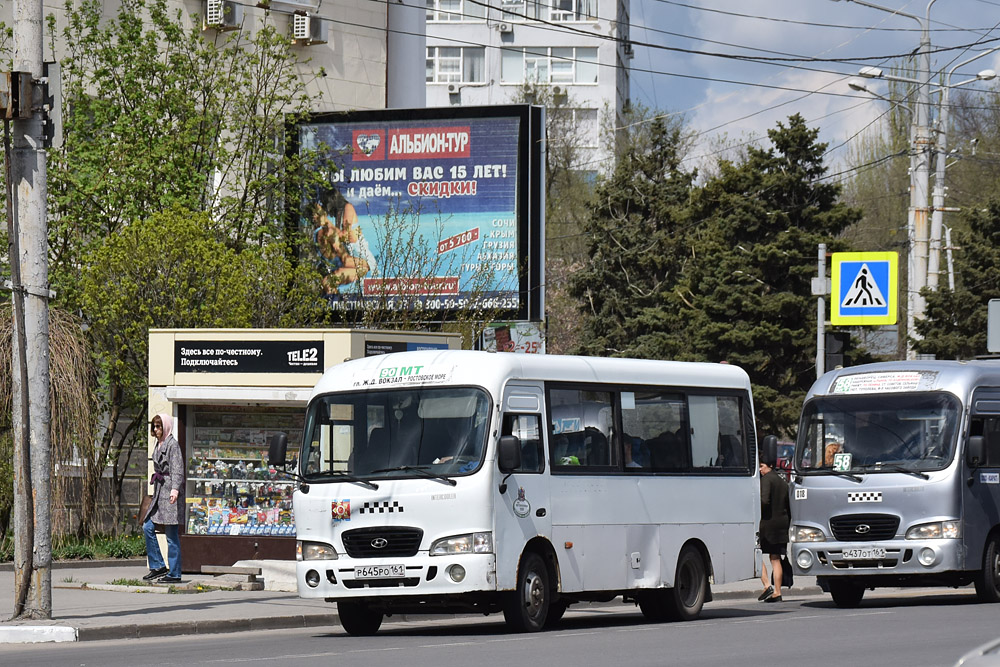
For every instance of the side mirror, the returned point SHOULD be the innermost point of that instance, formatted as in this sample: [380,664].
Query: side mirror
[277,450]
[975,451]
[509,453]
[769,448]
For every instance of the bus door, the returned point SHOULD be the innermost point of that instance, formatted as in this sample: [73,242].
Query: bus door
[523,511]
[982,490]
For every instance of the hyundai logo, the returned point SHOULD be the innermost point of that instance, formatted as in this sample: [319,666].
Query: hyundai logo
[382,543]
[861,529]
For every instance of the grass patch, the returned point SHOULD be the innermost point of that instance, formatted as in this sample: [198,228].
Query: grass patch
[127,582]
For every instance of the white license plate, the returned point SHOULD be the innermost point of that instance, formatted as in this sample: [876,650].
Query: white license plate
[866,553]
[379,571]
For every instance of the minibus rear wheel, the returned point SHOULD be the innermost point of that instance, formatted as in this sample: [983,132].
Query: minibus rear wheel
[687,597]
[358,619]
[988,579]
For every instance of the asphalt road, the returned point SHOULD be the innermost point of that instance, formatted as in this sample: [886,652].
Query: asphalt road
[891,628]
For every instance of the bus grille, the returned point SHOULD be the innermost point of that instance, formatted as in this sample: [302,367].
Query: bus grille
[396,541]
[851,527]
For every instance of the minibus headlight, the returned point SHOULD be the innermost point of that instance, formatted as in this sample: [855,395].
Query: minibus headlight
[472,543]
[807,534]
[938,530]
[314,551]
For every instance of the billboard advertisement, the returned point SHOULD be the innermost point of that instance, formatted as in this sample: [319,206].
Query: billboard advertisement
[435,210]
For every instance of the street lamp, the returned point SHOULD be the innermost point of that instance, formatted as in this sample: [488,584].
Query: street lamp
[937,216]
[917,231]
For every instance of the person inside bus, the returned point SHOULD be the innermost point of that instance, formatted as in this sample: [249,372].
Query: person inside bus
[635,451]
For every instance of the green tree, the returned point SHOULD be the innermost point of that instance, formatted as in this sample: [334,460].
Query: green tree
[636,236]
[570,174]
[162,122]
[748,293]
[955,325]
[720,272]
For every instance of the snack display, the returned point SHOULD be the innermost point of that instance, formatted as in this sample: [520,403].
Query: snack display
[231,489]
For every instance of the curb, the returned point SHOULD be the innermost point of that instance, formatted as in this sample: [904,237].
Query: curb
[81,564]
[202,627]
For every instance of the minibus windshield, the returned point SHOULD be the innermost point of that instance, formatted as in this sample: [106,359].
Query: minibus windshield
[396,433]
[912,432]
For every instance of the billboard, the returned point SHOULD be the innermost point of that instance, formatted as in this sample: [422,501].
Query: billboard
[435,210]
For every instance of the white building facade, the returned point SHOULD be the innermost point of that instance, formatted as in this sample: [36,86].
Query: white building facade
[483,52]
[346,38]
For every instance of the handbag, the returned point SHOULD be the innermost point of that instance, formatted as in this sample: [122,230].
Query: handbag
[144,504]
[786,573]
[144,507]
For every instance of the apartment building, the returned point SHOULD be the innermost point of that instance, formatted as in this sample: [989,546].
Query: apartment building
[482,52]
[346,38]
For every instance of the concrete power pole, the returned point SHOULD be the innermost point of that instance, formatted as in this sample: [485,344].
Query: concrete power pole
[30,283]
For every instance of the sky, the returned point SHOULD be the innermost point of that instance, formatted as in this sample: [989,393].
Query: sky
[737,100]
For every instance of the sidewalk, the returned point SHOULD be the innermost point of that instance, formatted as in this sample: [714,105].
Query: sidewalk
[87,606]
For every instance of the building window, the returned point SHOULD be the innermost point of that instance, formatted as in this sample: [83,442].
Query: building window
[455,10]
[571,64]
[456,64]
[548,10]
[573,10]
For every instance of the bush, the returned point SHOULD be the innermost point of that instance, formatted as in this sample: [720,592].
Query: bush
[74,548]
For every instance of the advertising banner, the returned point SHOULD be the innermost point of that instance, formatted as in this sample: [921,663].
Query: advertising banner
[424,209]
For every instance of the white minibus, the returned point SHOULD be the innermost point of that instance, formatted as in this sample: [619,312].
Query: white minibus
[897,478]
[461,481]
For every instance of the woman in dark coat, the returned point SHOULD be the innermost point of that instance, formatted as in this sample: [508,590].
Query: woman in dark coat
[166,506]
[774,520]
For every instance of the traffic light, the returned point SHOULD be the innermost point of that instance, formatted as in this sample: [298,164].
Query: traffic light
[836,343]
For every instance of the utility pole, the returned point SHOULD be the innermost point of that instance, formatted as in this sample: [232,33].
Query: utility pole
[30,285]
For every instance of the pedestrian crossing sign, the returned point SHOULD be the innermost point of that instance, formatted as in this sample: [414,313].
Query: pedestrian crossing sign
[864,288]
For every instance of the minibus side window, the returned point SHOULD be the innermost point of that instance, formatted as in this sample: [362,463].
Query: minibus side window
[654,433]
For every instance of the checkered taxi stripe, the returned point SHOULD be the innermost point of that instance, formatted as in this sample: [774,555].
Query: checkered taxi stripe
[864,497]
[381,507]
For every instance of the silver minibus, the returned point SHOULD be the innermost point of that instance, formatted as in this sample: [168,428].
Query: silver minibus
[896,479]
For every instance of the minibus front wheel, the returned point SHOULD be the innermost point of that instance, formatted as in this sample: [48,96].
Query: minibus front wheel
[988,579]
[526,608]
[845,592]
[358,618]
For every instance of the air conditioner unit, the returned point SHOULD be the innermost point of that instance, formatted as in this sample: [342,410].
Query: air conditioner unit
[453,89]
[308,30]
[223,15]
[558,91]
[503,26]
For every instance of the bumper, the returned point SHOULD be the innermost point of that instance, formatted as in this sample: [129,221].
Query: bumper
[424,576]
[907,558]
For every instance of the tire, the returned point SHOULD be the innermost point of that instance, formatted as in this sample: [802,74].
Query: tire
[556,611]
[988,579]
[687,597]
[358,619]
[527,607]
[846,594]
[655,605]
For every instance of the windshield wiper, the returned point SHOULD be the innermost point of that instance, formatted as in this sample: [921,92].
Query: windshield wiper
[906,471]
[420,470]
[340,476]
[846,475]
